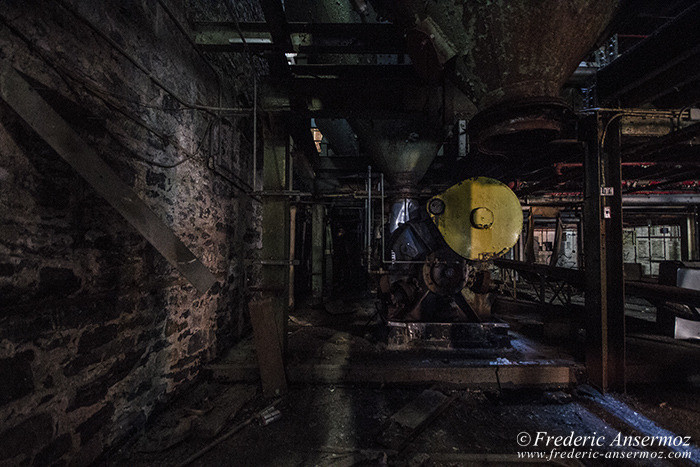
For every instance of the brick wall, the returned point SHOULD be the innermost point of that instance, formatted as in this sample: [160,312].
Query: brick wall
[96,328]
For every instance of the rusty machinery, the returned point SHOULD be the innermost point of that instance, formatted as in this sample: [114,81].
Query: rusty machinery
[439,252]
[504,64]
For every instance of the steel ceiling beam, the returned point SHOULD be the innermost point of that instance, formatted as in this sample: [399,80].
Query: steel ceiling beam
[329,98]
[658,68]
[297,122]
[279,33]
[364,73]
[275,34]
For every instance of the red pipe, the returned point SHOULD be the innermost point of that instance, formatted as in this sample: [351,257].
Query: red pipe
[560,166]
[568,165]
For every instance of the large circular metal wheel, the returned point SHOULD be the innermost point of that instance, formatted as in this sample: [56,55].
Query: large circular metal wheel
[445,274]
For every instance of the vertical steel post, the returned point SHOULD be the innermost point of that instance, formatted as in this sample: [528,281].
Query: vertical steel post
[696,231]
[292,253]
[255,133]
[688,243]
[328,255]
[602,223]
[369,218]
[318,229]
[382,223]
[530,241]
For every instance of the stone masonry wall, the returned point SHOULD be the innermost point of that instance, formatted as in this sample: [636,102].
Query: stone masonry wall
[96,328]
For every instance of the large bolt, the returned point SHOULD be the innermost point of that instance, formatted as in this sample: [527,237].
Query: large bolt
[436,206]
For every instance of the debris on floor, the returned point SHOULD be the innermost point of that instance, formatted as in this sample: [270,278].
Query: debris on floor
[408,422]
[269,415]
[330,416]
[224,408]
[203,414]
[265,416]
[369,425]
[557,397]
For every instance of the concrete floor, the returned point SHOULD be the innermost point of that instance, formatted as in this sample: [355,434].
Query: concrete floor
[343,424]
[331,425]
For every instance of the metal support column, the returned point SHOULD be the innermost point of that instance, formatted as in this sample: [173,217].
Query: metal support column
[328,255]
[696,234]
[530,241]
[318,230]
[688,239]
[292,250]
[602,223]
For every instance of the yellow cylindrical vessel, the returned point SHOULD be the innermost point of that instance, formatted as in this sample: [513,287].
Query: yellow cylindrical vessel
[480,218]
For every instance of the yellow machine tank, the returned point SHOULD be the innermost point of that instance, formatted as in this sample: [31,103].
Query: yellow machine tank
[438,273]
[479,218]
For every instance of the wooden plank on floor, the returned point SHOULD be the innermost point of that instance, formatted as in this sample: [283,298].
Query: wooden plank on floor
[507,376]
[49,125]
[414,417]
[268,348]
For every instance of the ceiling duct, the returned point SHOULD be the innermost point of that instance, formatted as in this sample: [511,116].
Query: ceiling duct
[402,149]
[340,135]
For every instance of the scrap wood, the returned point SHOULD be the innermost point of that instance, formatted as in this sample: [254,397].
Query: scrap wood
[406,424]
[227,435]
[299,321]
[224,409]
[268,347]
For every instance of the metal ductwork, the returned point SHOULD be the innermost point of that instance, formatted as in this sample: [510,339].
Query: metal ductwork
[402,149]
[511,57]
[340,135]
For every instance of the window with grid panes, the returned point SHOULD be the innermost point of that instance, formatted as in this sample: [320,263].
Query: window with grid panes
[650,244]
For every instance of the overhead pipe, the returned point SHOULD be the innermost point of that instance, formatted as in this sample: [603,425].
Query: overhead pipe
[665,199]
